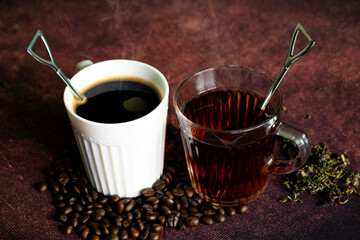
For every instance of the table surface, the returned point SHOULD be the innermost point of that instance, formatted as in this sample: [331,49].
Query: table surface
[179,38]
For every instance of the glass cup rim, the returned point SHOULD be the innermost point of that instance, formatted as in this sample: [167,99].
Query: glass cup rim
[272,118]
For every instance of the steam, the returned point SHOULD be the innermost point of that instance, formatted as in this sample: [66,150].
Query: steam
[118,24]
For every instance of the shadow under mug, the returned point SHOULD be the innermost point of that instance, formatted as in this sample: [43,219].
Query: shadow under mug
[232,167]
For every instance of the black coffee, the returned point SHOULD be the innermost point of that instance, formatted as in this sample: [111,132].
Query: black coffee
[118,100]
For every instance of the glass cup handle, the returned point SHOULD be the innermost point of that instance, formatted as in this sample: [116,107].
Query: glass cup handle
[296,135]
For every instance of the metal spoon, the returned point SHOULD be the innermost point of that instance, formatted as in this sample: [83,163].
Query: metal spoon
[289,61]
[53,65]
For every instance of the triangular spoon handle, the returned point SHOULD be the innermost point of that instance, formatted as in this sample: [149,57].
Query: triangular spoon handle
[289,61]
[52,64]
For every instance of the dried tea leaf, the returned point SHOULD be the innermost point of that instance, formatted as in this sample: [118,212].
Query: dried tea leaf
[324,174]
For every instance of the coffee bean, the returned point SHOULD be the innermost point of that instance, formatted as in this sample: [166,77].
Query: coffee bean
[153,200]
[137,213]
[221,211]
[41,187]
[181,226]
[157,227]
[154,236]
[92,224]
[95,231]
[184,202]
[81,199]
[73,221]
[161,219]
[159,184]
[167,201]
[85,232]
[130,206]
[130,216]
[106,222]
[77,207]
[83,219]
[63,178]
[126,223]
[104,229]
[210,212]
[193,209]
[112,236]
[102,200]
[88,211]
[190,191]
[145,233]
[66,210]
[198,198]
[93,237]
[207,220]
[166,179]
[134,233]
[230,211]
[147,192]
[184,215]
[172,220]
[100,212]
[58,204]
[71,200]
[118,221]
[58,196]
[79,228]
[165,209]
[95,194]
[124,234]
[67,229]
[119,207]
[178,192]
[197,214]
[98,205]
[192,221]
[159,193]
[88,198]
[62,189]
[219,218]
[193,202]
[54,187]
[61,217]
[150,218]
[147,207]
[114,199]
[114,230]
[140,226]
[96,217]
[169,195]
[243,209]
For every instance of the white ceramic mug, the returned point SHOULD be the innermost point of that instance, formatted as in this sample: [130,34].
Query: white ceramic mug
[121,158]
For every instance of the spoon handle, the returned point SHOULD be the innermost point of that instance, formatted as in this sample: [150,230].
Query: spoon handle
[289,61]
[52,63]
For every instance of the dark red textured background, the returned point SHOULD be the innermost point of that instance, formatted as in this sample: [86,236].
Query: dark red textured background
[179,38]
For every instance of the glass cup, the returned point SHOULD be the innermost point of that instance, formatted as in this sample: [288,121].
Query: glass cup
[230,165]
[121,158]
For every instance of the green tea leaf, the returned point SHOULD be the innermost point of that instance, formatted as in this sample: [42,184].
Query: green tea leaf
[323,175]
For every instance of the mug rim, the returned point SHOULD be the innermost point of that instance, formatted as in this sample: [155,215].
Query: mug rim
[135,121]
[272,118]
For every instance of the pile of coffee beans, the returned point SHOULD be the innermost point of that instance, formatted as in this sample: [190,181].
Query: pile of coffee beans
[170,202]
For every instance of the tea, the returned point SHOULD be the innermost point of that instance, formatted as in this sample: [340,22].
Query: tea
[118,100]
[226,172]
